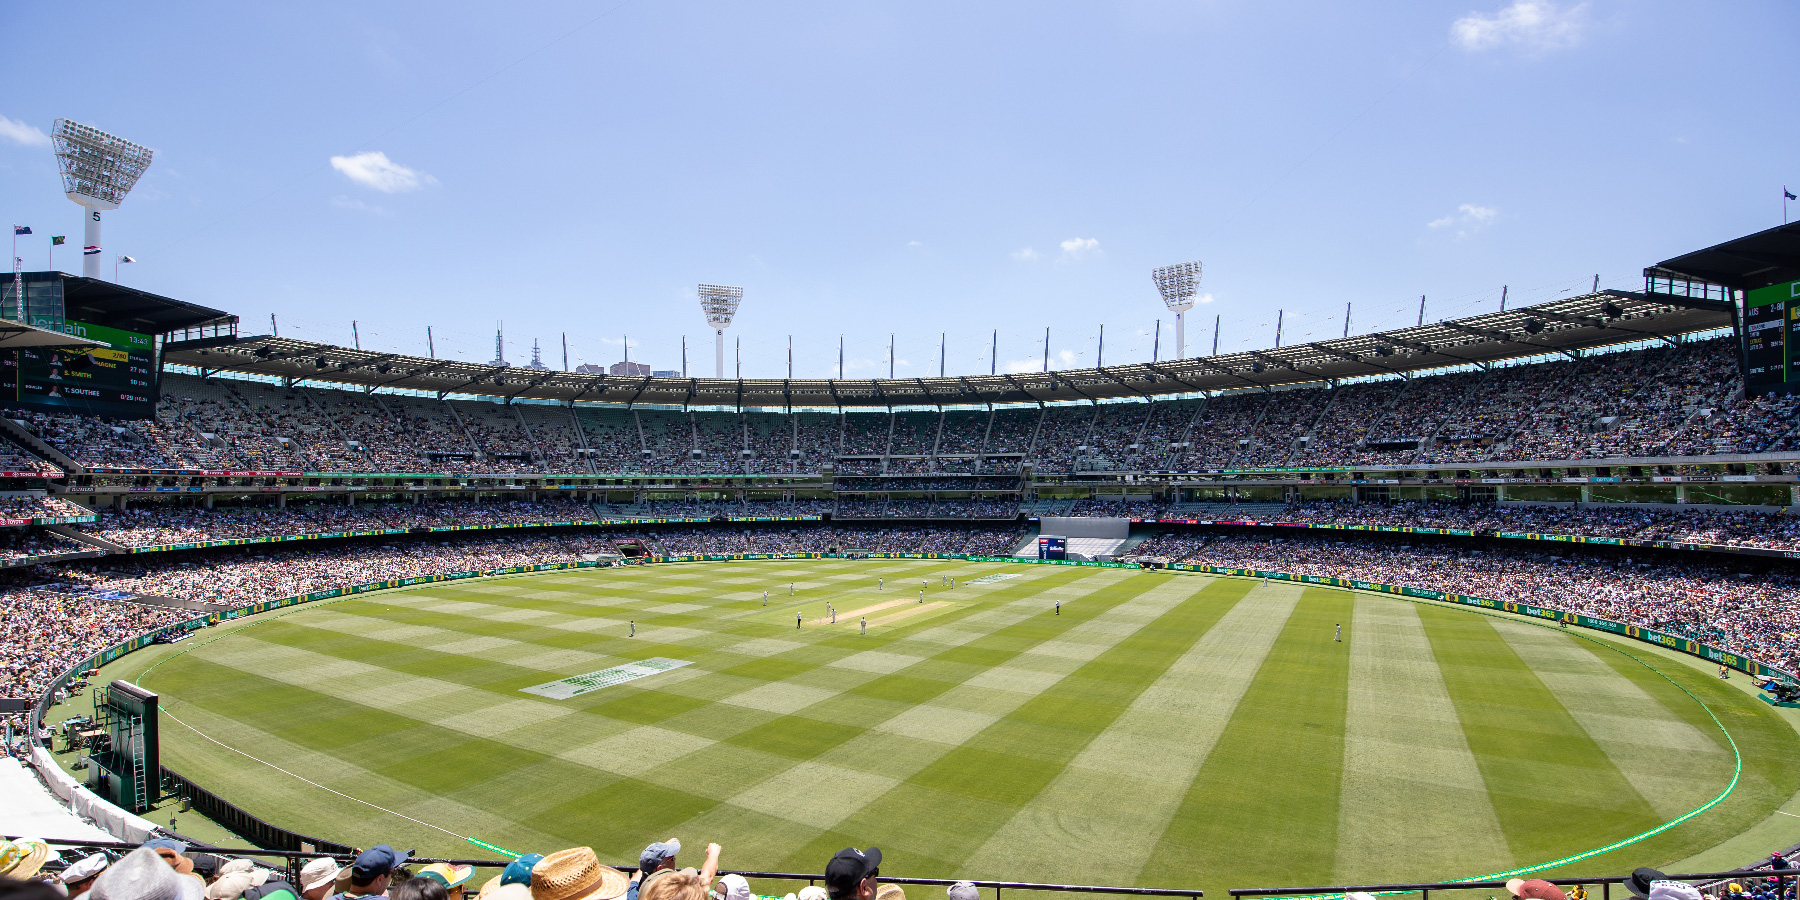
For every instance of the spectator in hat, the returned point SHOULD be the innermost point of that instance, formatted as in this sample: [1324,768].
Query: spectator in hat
[79,877]
[451,877]
[370,872]
[172,852]
[235,879]
[1654,885]
[963,890]
[733,887]
[144,875]
[1534,889]
[890,892]
[22,859]
[318,878]
[576,874]
[683,884]
[852,874]
[656,858]
[517,873]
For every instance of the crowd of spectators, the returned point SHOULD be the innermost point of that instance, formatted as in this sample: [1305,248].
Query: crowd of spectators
[1666,401]
[1748,613]
[1747,528]
[151,525]
[45,632]
[235,576]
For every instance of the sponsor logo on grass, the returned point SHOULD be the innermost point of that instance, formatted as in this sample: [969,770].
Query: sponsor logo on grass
[605,678]
[990,579]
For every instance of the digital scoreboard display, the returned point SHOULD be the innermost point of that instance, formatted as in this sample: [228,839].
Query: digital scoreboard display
[1772,339]
[117,379]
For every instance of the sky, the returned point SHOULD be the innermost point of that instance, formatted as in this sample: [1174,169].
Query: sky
[933,172]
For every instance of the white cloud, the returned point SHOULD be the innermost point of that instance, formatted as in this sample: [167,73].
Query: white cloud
[1025,254]
[21,133]
[1204,298]
[1468,219]
[372,168]
[1077,246]
[1531,24]
[915,244]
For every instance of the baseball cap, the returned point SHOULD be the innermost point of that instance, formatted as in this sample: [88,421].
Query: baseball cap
[654,854]
[813,892]
[323,870]
[963,890]
[519,870]
[448,875]
[376,862]
[849,867]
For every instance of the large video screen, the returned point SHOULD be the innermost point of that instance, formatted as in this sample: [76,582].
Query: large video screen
[118,379]
[1771,336]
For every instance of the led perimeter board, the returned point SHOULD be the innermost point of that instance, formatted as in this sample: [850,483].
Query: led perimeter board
[118,380]
[1772,339]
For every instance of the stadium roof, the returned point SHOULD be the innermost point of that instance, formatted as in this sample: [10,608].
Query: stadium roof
[1562,326]
[1753,261]
[115,305]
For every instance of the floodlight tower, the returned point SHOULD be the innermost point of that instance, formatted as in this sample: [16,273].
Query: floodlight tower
[98,170]
[720,303]
[1178,284]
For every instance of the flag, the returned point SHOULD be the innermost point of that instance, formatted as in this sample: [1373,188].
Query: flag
[125,259]
[1785,195]
[56,240]
[21,229]
[90,250]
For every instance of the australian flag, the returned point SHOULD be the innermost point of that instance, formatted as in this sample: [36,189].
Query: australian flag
[21,229]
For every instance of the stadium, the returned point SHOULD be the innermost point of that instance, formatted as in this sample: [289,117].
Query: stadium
[1500,596]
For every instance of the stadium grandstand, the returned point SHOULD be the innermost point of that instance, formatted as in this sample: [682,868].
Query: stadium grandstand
[1618,461]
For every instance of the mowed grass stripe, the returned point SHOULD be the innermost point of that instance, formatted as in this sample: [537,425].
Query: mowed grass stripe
[1674,765]
[311,733]
[1407,766]
[941,813]
[1524,739]
[1160,740]
[829,768]
[1264,806]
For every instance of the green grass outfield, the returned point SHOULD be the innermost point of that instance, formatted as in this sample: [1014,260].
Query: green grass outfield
[1164,730]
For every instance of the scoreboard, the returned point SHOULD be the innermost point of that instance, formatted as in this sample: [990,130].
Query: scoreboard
[1772,339]
[117,379]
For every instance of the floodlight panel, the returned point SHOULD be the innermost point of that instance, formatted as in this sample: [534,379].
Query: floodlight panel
[98,169]
[720,303]
[1178,283]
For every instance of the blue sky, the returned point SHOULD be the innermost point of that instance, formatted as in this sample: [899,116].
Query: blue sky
[908,169]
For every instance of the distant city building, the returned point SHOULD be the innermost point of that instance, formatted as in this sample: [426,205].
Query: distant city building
[590,369]
[537,361]
[629,369]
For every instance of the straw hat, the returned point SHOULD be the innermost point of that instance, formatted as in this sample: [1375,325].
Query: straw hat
[22,858]
[576,874]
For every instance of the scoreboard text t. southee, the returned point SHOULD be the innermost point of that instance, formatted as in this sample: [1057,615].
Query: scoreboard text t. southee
[117,379]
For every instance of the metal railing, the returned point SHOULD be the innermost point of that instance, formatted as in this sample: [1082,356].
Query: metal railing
[291,861]
[1424,889]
